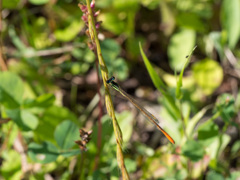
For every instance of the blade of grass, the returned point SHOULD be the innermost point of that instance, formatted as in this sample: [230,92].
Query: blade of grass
[179,81]
[158,83]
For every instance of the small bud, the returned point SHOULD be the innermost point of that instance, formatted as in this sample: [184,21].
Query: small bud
[84,18]
[96,13]
[82,7]
[87,32]
[92,5]
[91,46]
[98,24]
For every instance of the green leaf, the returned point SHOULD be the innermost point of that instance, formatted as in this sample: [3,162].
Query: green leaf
[167,17]
[158,83]
[43,101]
[190,21]
[179,81]
[170,105]
[225,104]
[219,42]
[180,45]
[114,23]
[235,147]
[131,164]
[11,90]
[43,153]
[50,119]
[66,133]
[23,118]
[208,74]
[194,120]
[234,176]
[110,52]
[110,49]
[70,32]
[107,133]
[69,153]
[231,20]
[180,174]
[10,170]
[193,150]
[119,67]
[13,4]
[39,2]
[216,148]
[143,149]
[150,4]
[214,175]
[207,132]
[126,5]
[125,119]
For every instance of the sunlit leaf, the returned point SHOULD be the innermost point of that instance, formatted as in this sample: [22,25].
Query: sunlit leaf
[70,32]
[42,101]
[114,23]
[231,20]
[38,2]
[11,90]
[125,120]
[66,134]
[194,120]
[235,147]
[124,5]
[207,132]
[131,164]
[208,75]
[23,118]
[167,17]
[234,176]
[217,146]
[151,4]
[193,150]
[180,45]
[10,170]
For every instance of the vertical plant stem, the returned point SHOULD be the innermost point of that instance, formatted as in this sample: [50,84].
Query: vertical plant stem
[99,138]
[73,95]
[182,119]
[82,159]
[108,100]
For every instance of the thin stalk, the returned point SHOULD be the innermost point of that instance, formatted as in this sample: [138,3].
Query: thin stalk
[99,138]
[108,99]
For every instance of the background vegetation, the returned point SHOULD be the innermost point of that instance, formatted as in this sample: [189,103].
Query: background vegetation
[50,87]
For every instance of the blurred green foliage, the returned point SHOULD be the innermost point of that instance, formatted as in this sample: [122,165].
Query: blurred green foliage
[50,90]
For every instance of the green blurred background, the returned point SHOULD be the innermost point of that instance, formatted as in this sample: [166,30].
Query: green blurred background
[51,89]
